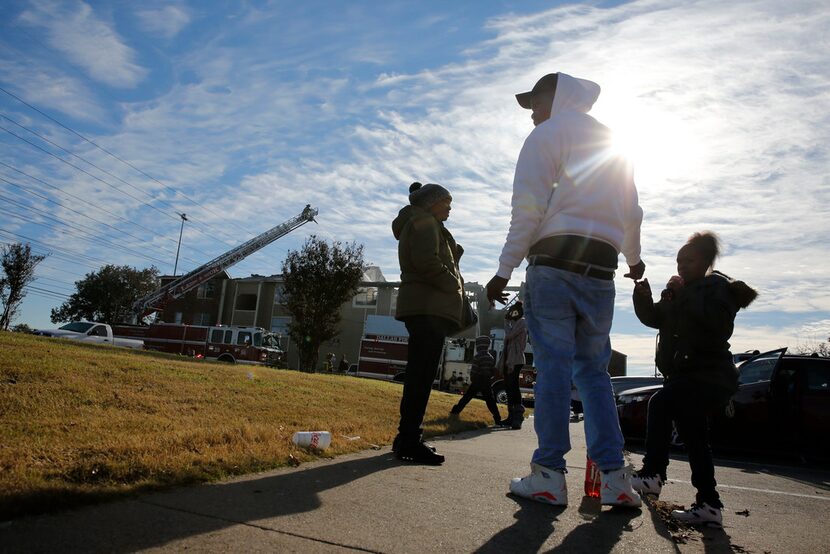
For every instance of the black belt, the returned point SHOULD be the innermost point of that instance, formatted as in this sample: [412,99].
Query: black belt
[586,270]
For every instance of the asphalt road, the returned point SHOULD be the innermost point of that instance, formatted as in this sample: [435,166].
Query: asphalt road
[369,502]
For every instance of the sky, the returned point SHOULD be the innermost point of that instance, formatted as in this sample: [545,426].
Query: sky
[116,117]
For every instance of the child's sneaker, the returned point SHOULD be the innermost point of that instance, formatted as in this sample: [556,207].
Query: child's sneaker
[616,489]
[700,514]
[543,485]
[644,483]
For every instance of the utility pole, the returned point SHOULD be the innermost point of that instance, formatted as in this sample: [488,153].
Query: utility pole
[176,266]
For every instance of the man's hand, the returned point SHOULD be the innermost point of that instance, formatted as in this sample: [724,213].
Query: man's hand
[642,288]
[495,290]
[636,271]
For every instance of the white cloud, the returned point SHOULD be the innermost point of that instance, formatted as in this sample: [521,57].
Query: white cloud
[165,21]
[87,41]
[726,103]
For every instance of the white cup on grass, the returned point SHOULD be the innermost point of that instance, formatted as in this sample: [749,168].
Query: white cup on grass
[317,440]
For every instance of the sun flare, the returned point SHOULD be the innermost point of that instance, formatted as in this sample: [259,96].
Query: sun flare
[659,144]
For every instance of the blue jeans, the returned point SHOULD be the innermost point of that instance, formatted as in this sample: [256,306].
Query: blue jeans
[569,321]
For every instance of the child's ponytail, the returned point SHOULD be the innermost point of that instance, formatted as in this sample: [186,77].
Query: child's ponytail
[707,243]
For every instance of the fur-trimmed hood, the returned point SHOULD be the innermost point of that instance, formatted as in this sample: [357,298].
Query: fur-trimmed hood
[741,292]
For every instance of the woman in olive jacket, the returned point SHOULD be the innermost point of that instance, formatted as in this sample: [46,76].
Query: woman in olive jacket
[430,302]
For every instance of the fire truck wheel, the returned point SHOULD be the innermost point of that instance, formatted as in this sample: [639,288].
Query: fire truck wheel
[500,394]
[227,358]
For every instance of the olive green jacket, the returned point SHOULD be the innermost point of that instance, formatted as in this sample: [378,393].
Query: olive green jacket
[431,282]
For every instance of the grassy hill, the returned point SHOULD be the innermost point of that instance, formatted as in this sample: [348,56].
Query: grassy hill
[83,423]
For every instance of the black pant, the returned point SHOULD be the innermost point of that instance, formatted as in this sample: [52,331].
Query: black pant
[511,385]
[426,342]
[479,384]
[688,404]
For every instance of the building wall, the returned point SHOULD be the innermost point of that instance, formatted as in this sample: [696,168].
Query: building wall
[254,301]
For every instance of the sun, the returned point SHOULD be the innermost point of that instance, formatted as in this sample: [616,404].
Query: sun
[661,145]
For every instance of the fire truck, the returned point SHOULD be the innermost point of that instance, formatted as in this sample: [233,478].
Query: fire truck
[384,347]
[232,344]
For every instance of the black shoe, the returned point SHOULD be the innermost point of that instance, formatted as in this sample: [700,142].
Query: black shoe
[397,443]
[516,421]
[419,453]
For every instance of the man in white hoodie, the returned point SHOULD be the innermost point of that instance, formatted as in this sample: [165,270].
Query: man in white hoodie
[574,210]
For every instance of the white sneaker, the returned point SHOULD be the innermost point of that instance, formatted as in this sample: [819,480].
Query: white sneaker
[700,514]
[616,489]
[542,485]
[647,484]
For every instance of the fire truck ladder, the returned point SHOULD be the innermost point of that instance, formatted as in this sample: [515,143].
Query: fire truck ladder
[156,301]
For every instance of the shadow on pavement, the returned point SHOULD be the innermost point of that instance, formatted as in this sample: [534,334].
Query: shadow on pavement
[532,528]
[602,530]
[158,519]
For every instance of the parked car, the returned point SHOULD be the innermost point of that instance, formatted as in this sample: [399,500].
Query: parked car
[89,331]
[620,384]
[782,404]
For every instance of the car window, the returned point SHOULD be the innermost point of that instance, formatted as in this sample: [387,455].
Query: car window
[216,335]
[99,331]
[759,369]
[257,339]
[244,337]
[818,377]
[77,326]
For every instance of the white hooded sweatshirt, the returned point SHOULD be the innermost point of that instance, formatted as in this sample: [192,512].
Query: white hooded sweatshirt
[569,181]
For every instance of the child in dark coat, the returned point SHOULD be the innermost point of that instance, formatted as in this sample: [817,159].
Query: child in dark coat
[481,376]
[695,316]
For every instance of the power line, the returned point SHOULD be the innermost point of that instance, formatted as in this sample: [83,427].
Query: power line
[102,170]
[90,234]
[26,189]
[41,181]
[128,164]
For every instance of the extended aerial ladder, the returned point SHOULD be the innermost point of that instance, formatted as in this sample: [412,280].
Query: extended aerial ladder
[156,301]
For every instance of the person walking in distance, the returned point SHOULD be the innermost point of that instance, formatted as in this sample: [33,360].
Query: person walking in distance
[430,302]
[515,342]
[481,379]
[574,210]
[695,316]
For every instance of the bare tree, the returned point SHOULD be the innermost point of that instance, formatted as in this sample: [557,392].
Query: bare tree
[18,273]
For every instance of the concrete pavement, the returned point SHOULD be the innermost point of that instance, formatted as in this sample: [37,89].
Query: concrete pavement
[370,502]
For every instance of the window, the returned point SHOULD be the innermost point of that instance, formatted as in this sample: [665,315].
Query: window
[279,295]
[177,318]
[257,339]
[244,338]
[77,326]
[759,370]
[98,331]
[206,290]
[279,325]
[366,298]
[818,378]
[216,335]
[246,302]
[203,319]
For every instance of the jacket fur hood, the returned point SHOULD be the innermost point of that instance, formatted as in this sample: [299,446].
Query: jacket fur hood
[742,293]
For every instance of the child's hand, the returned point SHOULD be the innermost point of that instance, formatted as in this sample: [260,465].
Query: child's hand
[642,288]
[675,283]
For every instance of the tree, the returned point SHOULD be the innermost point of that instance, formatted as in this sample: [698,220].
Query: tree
[21,328]
[820,349]
[317,281]
[18,273]
[107,295]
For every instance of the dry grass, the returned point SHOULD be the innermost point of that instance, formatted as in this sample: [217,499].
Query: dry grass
[82,423]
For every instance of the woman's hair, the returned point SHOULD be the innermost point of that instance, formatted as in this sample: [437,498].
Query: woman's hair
[707,243]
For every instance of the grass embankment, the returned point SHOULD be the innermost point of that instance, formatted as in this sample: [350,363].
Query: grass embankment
[82,423]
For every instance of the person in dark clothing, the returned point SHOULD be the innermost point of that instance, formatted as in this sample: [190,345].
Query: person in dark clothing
[481,377]
[513,356]
[695,316]
[430,301]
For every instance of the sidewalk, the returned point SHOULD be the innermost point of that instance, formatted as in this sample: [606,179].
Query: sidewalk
[368,502]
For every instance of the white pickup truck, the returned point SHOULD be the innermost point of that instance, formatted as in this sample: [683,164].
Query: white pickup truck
[87,331]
